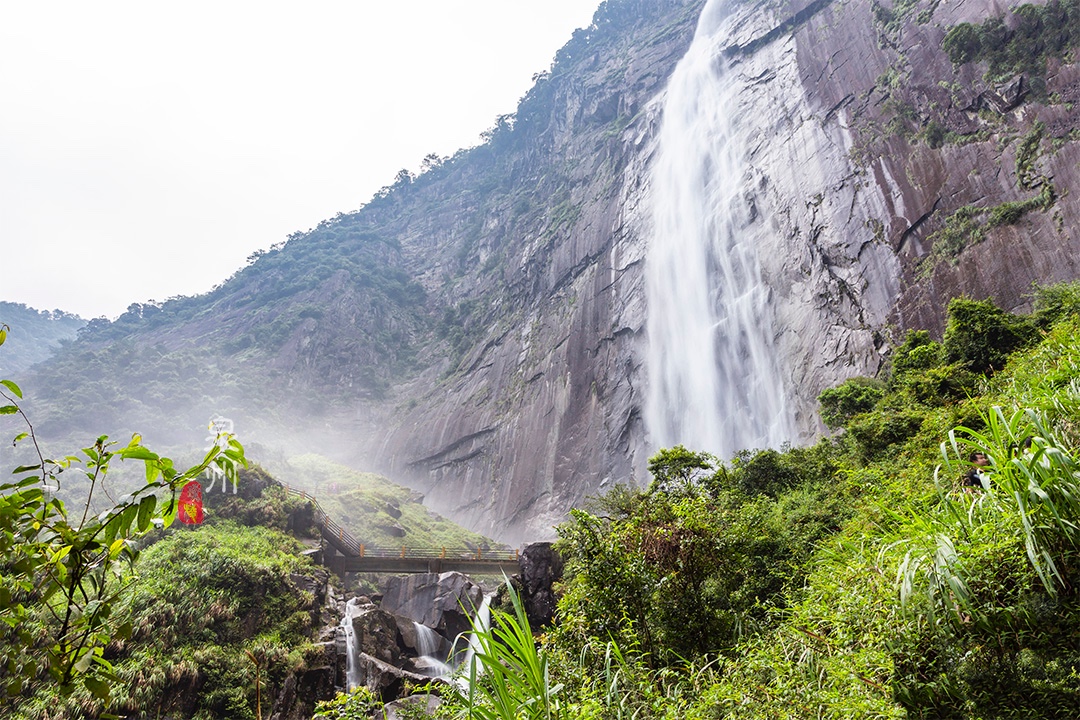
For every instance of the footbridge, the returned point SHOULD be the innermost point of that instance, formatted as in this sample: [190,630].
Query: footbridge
[343,553]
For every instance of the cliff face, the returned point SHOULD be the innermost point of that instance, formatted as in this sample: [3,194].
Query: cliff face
[545,405]
[865,143]
[479,332]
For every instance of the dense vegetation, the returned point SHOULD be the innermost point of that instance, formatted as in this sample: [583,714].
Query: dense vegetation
[104,608]
[856,578]
[1037,33]
[209,607]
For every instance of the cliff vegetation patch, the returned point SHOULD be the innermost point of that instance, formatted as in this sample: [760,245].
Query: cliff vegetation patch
[1034,34]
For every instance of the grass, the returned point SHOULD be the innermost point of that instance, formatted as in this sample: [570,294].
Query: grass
[367,504]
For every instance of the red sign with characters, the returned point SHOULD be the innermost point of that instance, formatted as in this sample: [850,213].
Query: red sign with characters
[190,507]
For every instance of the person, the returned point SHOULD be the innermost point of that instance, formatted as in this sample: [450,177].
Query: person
[975,479]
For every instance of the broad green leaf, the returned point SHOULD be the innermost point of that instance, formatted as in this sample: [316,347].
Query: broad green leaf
[138,452]
[8,410]
[98,688]
[12,387]
[126,518]
[112,528]
[3,334]
[116,546]
[146,511]
[61,553]
[19,438]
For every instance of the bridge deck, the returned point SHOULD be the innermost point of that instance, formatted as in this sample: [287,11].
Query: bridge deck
[469,566]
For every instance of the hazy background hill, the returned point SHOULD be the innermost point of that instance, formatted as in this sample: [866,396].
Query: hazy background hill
[33,335]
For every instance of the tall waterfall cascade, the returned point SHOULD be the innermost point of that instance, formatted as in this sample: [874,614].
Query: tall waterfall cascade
[715,381]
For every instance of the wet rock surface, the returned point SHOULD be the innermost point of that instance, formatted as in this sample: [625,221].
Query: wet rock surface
[541,567]
[438,601]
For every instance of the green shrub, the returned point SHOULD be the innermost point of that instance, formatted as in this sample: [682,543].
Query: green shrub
[856,395]
[938,386]
[1054,303]
[766,472]
[962,43]
[876,432]
[980,335]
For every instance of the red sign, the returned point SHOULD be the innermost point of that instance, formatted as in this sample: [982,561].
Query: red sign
[190,507]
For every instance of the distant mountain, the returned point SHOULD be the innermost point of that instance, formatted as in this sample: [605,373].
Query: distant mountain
[34,336]
[489,332]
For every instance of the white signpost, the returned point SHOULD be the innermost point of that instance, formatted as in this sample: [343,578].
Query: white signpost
[221,429]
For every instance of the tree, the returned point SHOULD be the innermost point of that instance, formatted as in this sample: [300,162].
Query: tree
[677,467]
[856,395]
[61,573]
[981,336]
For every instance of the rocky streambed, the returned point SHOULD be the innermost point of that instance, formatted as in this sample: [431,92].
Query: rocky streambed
[411,633]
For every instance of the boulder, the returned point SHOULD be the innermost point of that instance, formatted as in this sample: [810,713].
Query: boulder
[392,529]
[444,602]
[384,679]
[541,567]
[301,691]
[376,632]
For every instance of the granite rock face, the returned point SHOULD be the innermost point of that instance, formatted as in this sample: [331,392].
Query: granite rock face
[443,602]
[541,567]
[836,104]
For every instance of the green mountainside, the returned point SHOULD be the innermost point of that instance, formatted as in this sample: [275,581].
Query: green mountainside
[376,511]
[331,338]
[860,577]
[34,335]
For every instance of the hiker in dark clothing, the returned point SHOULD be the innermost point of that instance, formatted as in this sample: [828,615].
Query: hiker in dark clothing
[975,479]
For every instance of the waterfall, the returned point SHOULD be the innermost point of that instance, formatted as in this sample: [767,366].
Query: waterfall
[352,652]
[429,661]
[714,378]
[482,621]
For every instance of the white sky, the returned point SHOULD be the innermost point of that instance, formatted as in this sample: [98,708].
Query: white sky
[147,148]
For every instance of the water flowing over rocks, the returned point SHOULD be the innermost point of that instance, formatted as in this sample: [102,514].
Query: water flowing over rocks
[839,195]
[442,602]
[420,622]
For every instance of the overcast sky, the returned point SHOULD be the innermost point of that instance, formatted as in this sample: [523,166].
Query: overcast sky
[147,148]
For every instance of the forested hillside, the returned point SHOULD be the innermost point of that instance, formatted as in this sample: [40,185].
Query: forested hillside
[33,335]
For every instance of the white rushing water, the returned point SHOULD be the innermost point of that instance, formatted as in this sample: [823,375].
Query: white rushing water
[352,653]
[430,661]
[465,668]
[714,377]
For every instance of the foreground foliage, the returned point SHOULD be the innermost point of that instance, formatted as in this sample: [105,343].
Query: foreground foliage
[857,578]
[62,573]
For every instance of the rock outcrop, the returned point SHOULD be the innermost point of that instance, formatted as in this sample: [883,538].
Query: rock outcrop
[541,568]
[445,602]
[849,188]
